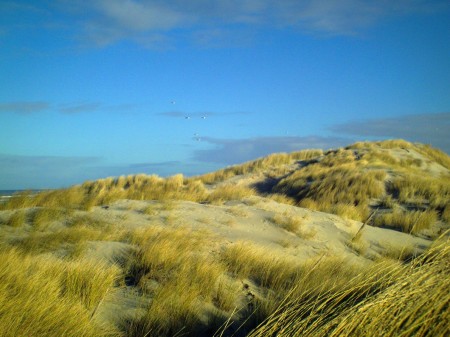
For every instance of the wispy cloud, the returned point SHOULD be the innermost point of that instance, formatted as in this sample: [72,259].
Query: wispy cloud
[33,162]
[206,114]
[210,23]
[152,165]
[31,107]
[173,114]
[24,107]
[234,151]
[344,17]
[179,114]
[80,107]
[425,128]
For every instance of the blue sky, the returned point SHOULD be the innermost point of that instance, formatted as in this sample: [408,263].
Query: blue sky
[104,88]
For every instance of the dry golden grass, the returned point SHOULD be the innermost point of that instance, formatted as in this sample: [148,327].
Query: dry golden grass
[387,201]
[346,181]
[248,283]
[419,189]
[238,211]
[408,222]
[42,296]
[67,239]
[329,185]
[44,216]
[380,157]
[247,260]
[400,252]
[278,275]
[349,211]
[106,191]
[362,145]
[282,199]
[63,241]
[389,300]
[288,222]
[434,154]
[223,193]
[395,143]
[187,277]
[18,200]
[16,219]
[273,160]
[446,214]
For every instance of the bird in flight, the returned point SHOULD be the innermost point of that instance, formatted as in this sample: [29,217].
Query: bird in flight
[187,117]
[173,102]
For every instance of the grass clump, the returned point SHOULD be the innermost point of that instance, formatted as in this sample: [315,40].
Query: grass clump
[395,143]
[417,189]
[63,241]
[434,154]
[223,193]
[38,297]
[18,200]
[270,161]
[391,300]
[16,219]
[446,214]
[330,188]
[409,222]
[88,281]
[106,191]
[288,222]
[247,260]
[187,278]
[44,216]
[277,276]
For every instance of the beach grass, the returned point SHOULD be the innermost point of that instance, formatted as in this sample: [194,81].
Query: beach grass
[391,299]
[43,296]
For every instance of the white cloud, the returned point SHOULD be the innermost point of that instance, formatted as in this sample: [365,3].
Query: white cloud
[148,22]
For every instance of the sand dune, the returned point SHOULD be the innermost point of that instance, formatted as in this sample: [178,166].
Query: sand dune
[220,253]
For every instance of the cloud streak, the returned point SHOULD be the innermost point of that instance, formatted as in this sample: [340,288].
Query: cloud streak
[148,22]
[33,107]
[79,107]
[24,107]
[425,128]
[234,151]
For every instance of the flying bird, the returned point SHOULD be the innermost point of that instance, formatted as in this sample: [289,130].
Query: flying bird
[187,117]
[173,102]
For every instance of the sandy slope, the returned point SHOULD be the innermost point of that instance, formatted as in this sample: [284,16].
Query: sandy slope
[251,220]
[248,220]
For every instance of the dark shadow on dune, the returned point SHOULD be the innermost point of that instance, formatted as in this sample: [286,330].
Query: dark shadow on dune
[268,185]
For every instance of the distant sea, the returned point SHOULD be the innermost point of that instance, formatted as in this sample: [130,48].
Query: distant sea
[6,194]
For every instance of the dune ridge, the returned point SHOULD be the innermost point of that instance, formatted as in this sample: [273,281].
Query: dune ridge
[349,241]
